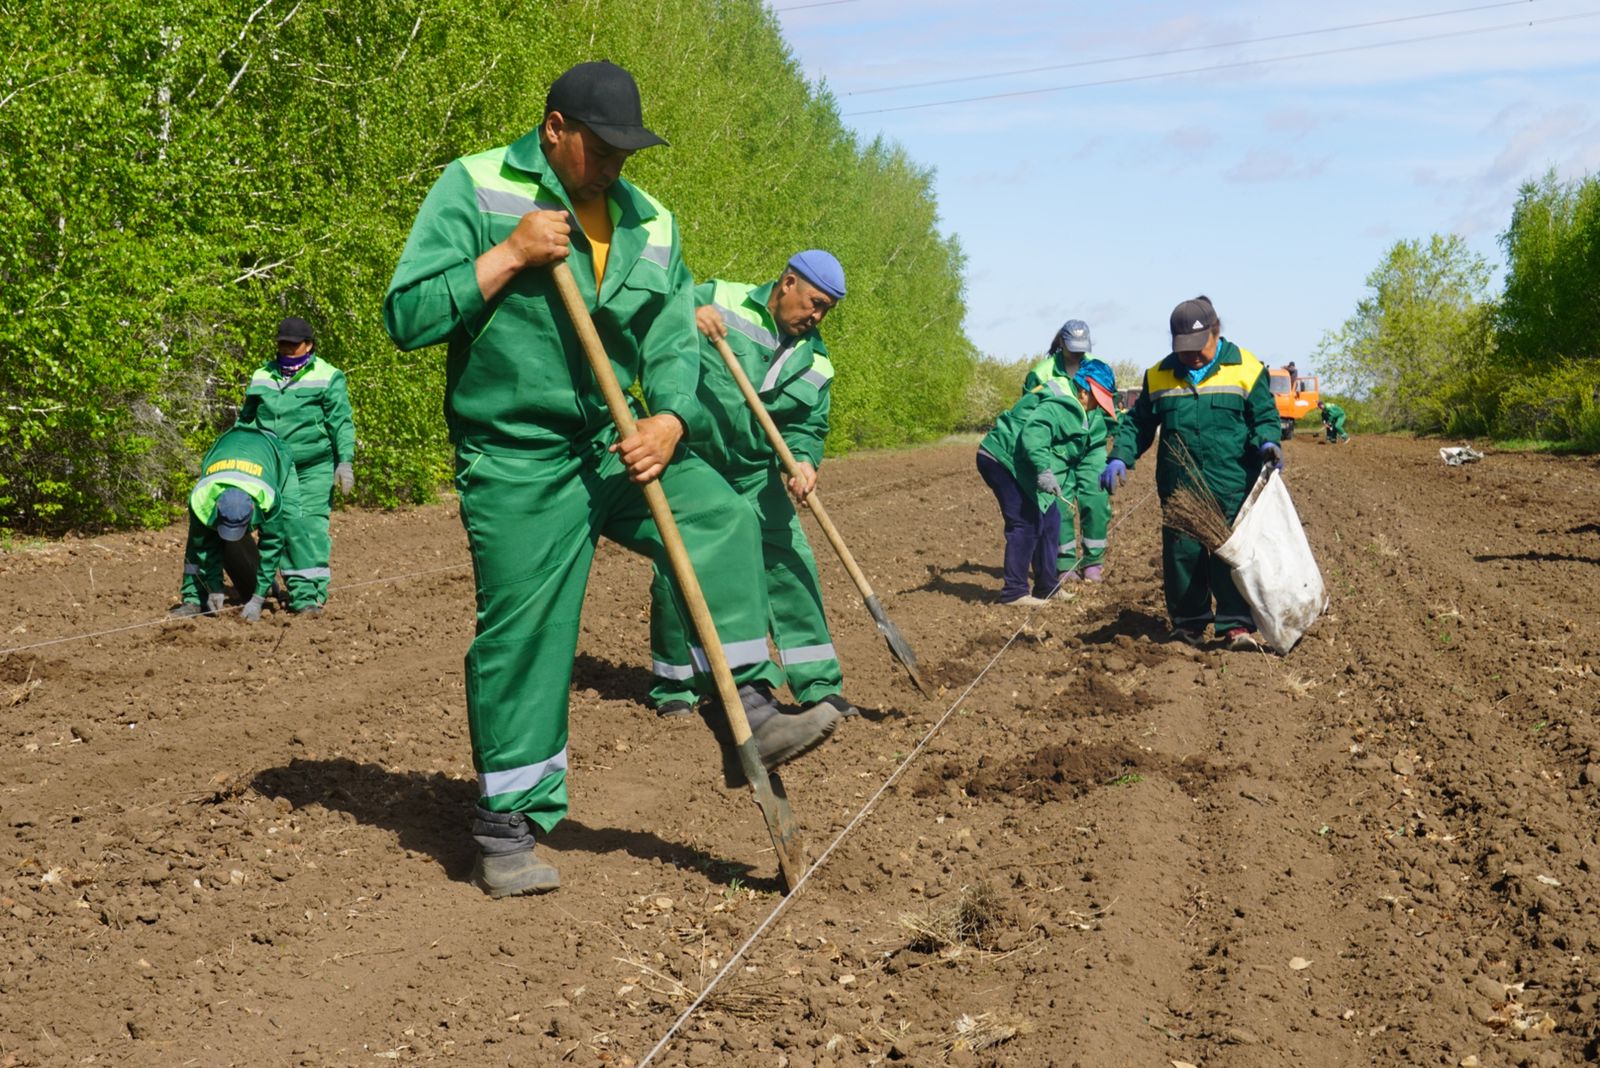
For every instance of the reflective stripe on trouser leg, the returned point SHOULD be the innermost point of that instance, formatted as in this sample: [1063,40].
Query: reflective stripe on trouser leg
[720,532]
[202,563]
[795,617]
[527,518]
[1094,509]
[305,560]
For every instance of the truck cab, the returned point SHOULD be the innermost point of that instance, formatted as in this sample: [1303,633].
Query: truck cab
[1295,394]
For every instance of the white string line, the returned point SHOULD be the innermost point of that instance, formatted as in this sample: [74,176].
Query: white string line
[235,608]
[866,810]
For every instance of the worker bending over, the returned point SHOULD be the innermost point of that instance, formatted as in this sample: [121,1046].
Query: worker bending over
[247,482]
[773,331]
[1333,422]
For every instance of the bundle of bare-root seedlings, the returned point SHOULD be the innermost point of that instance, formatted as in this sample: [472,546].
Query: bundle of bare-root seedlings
[1192,509]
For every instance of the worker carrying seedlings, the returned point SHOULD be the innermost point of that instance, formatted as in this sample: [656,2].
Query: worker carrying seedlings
[302,398]
[1212,402]
[540,471]
[773,331]
[1090,521]
[247,482]
[1333,422]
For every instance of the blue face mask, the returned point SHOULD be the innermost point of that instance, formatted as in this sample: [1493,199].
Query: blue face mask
[291,364]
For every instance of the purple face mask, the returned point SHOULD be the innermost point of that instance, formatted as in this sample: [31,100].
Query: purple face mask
[291,364]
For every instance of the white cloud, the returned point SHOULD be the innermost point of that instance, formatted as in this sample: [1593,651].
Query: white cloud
[1270,165]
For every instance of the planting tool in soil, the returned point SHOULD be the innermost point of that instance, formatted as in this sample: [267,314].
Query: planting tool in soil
[898,646]
[767,786]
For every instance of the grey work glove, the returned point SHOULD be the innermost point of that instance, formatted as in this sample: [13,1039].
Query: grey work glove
[214,603]
[1047,483]
[344,475]
[251,612]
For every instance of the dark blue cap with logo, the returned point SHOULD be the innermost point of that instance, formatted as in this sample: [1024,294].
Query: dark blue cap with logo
[234,512]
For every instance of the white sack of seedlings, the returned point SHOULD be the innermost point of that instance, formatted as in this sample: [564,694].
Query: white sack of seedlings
[1273,566]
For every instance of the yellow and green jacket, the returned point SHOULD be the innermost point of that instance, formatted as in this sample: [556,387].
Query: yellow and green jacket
[256,461]
[792,375]
[309,410]
[515,375]
[1222,421]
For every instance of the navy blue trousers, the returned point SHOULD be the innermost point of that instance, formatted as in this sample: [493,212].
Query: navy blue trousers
[1032,538]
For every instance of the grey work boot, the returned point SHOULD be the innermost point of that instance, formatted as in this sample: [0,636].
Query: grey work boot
[780,736]
[840,703]
[186,610]
[506,865]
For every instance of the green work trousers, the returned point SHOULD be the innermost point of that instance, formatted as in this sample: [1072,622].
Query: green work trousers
[533,517]
[1191,577]
[305,568]
[794,596]
[1093,513]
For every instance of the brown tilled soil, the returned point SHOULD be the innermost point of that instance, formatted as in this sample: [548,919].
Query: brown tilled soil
[224,844]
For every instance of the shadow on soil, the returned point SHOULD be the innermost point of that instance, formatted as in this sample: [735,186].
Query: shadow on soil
[613,682]
[938,582]
[1535,557]
[428,813]
[1129,622]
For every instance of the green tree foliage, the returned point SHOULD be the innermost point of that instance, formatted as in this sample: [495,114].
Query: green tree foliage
[1551,304]
[176,175]
[1418,346]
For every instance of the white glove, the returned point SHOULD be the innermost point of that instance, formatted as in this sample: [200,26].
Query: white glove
[1047,483]
[344,476]
[214,603]
[251,612]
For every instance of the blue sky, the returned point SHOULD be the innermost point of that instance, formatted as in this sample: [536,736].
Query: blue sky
[1274,189]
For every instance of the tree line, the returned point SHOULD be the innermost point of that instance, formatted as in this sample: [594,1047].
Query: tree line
[177,175]
[1433,348]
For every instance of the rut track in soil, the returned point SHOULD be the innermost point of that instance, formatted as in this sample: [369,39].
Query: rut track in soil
[235,845]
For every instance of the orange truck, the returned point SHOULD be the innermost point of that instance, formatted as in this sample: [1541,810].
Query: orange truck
[1296,395]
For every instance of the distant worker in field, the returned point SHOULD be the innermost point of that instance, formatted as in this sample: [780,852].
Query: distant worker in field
[247,482]
[773,330]
[540,469]
[1026,460]
[1212,403]
[1333,422]
[1086,512]
[302,398]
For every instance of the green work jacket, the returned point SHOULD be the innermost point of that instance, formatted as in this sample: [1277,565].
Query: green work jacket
[792,375]
[1333,415]
[308,410]
[1054,437]
[256,461]
[1001,442]
[1222,421]
[1049,369]
[515,374]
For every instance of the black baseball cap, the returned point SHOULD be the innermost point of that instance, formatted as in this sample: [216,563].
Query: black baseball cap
[605,98]
[295,328]
[1192,323]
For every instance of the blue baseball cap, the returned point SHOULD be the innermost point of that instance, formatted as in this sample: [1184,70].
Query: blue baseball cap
[234,511]
[821,270]
[1097,377]
[1074,336]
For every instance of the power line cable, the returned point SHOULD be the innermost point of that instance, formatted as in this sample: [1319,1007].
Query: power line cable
[1230,66]
[1180,51]
[817,3]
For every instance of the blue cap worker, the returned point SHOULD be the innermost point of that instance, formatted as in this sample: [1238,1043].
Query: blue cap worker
[247,482]
[1212,403]
[772,330]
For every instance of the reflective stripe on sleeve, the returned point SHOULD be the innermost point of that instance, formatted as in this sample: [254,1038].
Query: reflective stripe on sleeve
[515,780]
[816,378]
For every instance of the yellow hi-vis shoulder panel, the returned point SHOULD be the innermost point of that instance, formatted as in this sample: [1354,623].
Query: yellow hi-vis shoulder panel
[1232,378]
[657,227]
[503,190]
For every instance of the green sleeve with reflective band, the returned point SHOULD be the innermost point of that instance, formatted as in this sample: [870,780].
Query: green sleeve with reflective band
[670,352]
[434,295]
[1052,438]
[807,430]
[340,422]
[1136,430]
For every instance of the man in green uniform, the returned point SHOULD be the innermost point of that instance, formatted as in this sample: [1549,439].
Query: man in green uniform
[1333,422]
[302,398]
[772,329]
[540,470]
[247,480]
[1214,400]
[1090,521]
